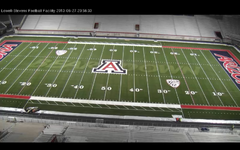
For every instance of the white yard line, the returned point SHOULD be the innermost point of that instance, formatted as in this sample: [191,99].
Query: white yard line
[59,72]
[36,69]
[184,78]
[46,73]
[160,82]
[149,98]
[172,78]
[195,77]
[72,70]
[108,78]
[133,76]
[171,75]
[120,88]
[220,79]
[83,73]
[24,69]
[90,94]
[207,78]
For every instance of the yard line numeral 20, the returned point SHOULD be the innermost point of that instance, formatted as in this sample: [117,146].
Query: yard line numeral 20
[192,92]
[25,83]
[50,85]
[3,82]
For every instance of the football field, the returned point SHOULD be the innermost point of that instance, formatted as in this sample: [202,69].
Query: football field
[129,78]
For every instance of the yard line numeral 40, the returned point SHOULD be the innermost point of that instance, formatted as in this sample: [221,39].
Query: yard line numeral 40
[77,86]
[136,90]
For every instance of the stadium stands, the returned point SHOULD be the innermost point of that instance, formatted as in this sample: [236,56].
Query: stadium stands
[182,27]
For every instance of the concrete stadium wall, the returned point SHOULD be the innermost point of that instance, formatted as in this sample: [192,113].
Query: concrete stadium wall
[181,27]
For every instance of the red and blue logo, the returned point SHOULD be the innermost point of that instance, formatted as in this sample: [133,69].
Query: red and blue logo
[110,67]
[229,64]
[7,47]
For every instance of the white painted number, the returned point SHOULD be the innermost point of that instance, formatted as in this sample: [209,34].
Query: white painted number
[163,91]
[136,90]
[72,48]
[154,52]
[25,83]
[112,50]
[174,53]
[104,88]
[77,86]
[134,51]
[217,93]
[34,47]
[3,82]
[50,85]
[92,49]
[192,92]
[53,47]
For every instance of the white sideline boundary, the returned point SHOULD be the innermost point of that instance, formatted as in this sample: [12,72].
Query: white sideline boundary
[213,121]
[100,102]
[120,44]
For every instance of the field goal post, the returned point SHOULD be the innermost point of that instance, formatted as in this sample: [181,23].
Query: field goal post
[99,122]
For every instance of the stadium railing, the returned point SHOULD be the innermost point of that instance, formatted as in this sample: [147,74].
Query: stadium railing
[118,34]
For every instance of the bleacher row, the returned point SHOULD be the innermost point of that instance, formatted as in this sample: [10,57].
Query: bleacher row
[182,27]
[186,27]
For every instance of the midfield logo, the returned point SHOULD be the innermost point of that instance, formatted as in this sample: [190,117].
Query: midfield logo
[110,66]
[173,83]
[7,48]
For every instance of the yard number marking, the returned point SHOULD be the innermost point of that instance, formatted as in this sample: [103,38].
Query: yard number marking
[134,51]
[50,85]
[217,93]
[154,52]
[25,83]
[163,91]
[136,90]
[192,92]
[3,82]
[106,88]
[77,86]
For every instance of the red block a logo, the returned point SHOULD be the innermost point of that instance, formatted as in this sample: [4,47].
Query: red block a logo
[110,66]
